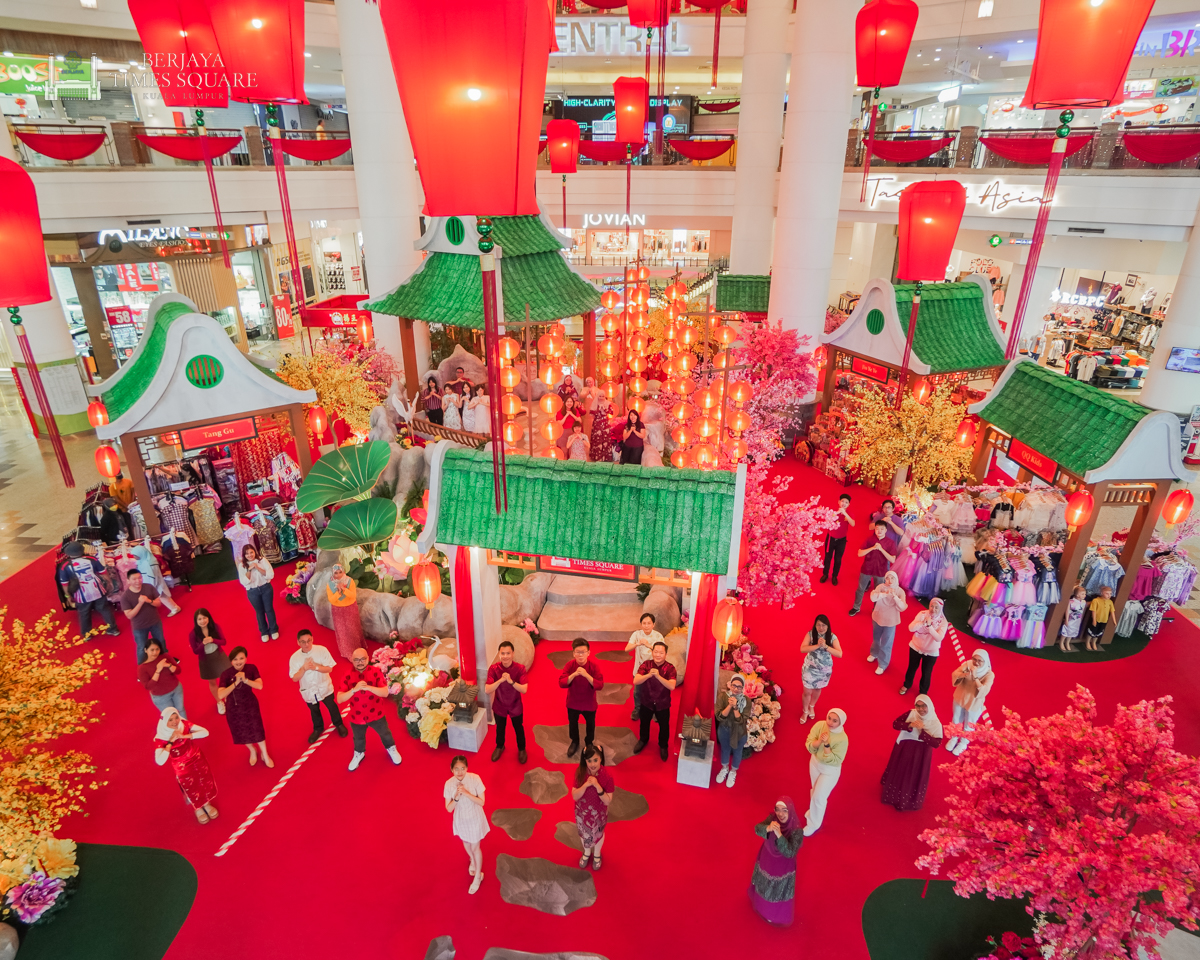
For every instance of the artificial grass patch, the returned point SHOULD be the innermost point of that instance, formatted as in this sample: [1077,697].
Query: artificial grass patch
[215,567]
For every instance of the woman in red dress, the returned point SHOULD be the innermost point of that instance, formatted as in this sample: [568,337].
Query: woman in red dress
[174,741]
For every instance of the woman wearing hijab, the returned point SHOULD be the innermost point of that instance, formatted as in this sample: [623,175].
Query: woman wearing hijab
[889,602]
[343,601]
[827,743]
[773,885]
[819,647]
[175,741]
[972,683]
[907,775]
[929,629]
[152,574]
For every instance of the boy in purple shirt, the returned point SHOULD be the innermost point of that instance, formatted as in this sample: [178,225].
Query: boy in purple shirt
[582,678]
[656,679]
[878,554]
[505,683]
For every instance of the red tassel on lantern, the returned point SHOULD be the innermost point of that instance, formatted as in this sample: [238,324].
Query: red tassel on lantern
[180,32]
[930,215]
[631,95]
[262,48]
[562,143]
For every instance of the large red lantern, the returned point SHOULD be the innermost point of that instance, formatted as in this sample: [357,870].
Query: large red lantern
[727,621]
[1079,508]
[97,413]
[175,33]
[427,583]
[26,278]
[318,421]
[631,95]
[1083,52]
[930,214]
[562,143]
[1178,507]
[883,32]
[262,48]
[649,14]
[107,461]
[472,78]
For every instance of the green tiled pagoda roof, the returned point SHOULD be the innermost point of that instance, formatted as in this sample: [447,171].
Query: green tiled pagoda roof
[674,519]
[953,332]
[125,392]
[519,236]
[1074,423]
[744,292]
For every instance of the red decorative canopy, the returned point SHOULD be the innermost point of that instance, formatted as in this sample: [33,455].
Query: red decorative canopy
[632,96]
[188,147]
[25,278]
[604,150]
[62,146]
[472,78]
[181,48]
[1035,150]
[883,32]
[314,150]
[906,151]
[930,214]
[1083,52]
[701,149]
[262,47]
[562,137]
[1162,147]
[719,106]
[648,13]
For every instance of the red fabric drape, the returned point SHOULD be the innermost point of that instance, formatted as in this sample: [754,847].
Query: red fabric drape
[542,145]
[1158,147]
[177,32]
[461,588]
[1031,149]
[314,150]
[700,694]
[603,149]
[720,106]
[188,147]
[906,151]
[701,149]
[60,146]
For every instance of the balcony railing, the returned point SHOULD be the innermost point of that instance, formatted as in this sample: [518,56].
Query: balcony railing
[679,261]
[668,158]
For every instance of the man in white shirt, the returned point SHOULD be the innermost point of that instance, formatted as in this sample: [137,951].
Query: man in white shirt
[642,642]
[310,666]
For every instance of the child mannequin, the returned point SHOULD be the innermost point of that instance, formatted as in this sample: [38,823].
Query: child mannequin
[1101,609]
[1074,618]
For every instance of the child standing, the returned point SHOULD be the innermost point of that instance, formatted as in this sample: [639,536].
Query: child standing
[592,794]
[1073,620]
[642,642]
[463,794]
[1101,609]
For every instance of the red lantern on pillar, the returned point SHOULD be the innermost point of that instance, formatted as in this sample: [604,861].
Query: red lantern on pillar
[883,32]
[26,278]
[632,96]
[427,583]
[318,420]
[1083,52]
[107,461]
[97,413]
[1178,507]
[262,48]
[930,214]
[1079,508]
[727,621]
[966,433]
[562,143]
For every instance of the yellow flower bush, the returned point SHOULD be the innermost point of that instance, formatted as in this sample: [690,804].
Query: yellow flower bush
[57,858]
[432,724]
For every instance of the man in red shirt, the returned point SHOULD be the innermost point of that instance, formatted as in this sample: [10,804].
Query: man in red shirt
[365,687]
[876,560]
[504,684]
[835,539]
[582,678]
[656,679]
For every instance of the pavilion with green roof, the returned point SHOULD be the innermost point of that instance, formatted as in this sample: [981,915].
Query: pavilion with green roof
[743,293]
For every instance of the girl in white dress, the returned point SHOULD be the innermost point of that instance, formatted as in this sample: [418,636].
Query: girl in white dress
[463,794]
[479,409]
[451,415]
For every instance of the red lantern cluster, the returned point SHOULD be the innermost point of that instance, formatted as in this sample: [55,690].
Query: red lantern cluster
[930,214]
[562,143]
[883,32]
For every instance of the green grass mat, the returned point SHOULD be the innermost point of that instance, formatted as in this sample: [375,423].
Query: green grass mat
[215,567]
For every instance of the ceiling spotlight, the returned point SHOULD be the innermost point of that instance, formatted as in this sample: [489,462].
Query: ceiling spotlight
[985,9]
[937,49]
[474,93]
[937,58]
[1020,41]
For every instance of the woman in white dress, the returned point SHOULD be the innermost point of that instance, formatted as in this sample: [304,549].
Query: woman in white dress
[479,410]
[463,794]
[451,414]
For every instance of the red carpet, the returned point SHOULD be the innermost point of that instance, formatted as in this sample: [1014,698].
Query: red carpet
[364,865]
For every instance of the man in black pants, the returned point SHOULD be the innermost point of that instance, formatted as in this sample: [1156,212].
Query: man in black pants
[582,678]
[656,678]
[504,684]
[310,667]
[835,540]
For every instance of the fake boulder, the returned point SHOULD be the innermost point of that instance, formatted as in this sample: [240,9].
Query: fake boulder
[473,368]
[523,650]
[544,885]
[524,600]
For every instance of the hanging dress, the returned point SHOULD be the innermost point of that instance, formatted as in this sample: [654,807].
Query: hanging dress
[268,538]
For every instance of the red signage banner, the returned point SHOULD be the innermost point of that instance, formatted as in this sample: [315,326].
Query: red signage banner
[873,371]
[197,438]
[282,305]
[340,311]
[1036,463]
[119,316]
[588,568]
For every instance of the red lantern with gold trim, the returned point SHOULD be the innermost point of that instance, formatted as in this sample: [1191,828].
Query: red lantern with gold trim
[262,48]
[562,143]
[966,433]
[107,461]
[632,94]
[727,621]
[1178,507]
[318,420]
[427,582]
[930,214]
[883,32]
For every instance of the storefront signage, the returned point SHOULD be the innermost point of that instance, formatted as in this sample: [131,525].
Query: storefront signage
[588,568]
[1036,463]
[614,219]
[872,371]
[340,311]
[282,305]
[52,77]
[993,197]
[158,234]
[197,438]
[119,316]
[597,116]
[601,36]
[1076,299]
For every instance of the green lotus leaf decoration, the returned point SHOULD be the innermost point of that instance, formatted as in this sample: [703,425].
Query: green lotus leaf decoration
[343,474]
[360,523]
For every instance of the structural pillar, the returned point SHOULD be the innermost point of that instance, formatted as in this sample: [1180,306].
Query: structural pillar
[385,174]
[96,320]
[1176,390]
[1044,282]
[760,133]
[810,179]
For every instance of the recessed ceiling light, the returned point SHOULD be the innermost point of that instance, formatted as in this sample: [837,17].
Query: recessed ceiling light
[938,49]
[316,66]
[989,56]
[1020,41]
[918,54]
[937,58]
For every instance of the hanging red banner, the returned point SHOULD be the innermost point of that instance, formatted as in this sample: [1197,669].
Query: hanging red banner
[872,371]
[282,305]
[197,438]
[1036,463]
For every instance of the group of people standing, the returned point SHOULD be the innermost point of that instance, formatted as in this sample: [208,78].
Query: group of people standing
[459,405]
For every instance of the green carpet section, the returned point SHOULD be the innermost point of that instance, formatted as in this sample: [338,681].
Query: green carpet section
[215,567]
[958,608]
[130,904]
[899,924]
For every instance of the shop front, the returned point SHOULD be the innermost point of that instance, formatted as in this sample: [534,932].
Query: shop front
[614,239]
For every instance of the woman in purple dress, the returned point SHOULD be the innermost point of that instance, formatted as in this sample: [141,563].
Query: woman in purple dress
[773,885]
[236,690]
[592,794]
[907,775]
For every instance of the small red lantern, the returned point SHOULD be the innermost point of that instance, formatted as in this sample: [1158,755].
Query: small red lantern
[427,582]
[740,391]
[1178,507]
[883,32]
[1079,508]
[632,96]
[562,143]
[609,299]
[318,420]
[930,214]
[509,348]
[97,413]
[107,462]
[26,278]
[262,48]
[921,390]
[727,621]
[966,433]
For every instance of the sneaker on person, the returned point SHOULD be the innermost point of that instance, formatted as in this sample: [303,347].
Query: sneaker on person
[952,743]
[879,671]
[722,774]
[870,658]
[356,760]
[731,778]
[395,755]
[220,706]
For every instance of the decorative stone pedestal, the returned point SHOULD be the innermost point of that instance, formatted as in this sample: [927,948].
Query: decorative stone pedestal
[695,771]
[465,737]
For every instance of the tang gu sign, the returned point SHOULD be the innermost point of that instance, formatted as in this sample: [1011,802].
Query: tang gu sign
[992,197]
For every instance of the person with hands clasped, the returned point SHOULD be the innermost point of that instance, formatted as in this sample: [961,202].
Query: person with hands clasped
[819,647]
[365,687]
[159,674]
[463,794]
[582,678]
[889,602]
[827,742]
[255,574]
[506,681]
[310,667]
[929,629]
[641,642]
[733,706]
[835,539]
[656,679]
[877,553]
[236,690]
[593,792]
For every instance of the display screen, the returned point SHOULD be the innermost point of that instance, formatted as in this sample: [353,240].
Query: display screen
[1184,359]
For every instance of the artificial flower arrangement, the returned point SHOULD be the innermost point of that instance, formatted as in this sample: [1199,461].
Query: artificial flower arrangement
[293,591]
[37,884]
[418,691]
[1011,946]
[745,660]
[531,628]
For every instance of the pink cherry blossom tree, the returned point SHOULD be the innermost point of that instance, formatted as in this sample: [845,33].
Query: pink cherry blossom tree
[1098,826]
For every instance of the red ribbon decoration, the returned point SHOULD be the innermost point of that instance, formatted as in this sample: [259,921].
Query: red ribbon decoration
[1158,147]
[315,151]
[607,151]
[62,146]
[699,695]
[1032,150]
[701,149]
[465,609]
[719,106]
[908,151]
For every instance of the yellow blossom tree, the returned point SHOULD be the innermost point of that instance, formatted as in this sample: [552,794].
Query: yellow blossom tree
[38,677]
[342,389]
[918,435]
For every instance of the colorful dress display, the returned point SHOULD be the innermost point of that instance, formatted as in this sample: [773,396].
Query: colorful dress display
[773,884]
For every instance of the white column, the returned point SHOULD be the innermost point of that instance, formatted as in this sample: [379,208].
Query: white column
[760,132]
[810,181]
[1044,282]
[1176,390]
[389,190]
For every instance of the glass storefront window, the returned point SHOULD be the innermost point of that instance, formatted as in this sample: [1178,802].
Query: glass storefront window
[251,300]
[126,290]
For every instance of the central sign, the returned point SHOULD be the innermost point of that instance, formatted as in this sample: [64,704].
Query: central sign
[588,568]
[872,371]
[601,36]
[214,434]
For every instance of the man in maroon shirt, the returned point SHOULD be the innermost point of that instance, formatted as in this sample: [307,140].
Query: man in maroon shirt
[876,560]
[835,539]
[504,684]
[366,688]
[656,679]
[582,678]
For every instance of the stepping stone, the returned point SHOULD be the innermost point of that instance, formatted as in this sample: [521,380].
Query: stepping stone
[517,822]
[565,832]
[440,948]
[544,786]
[625,805]
[617,743]
[501,953]
[614,693]
[616,656]
[597,610]
[544,885]
[559,658]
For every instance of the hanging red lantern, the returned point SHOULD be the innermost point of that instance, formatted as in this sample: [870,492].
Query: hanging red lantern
[740,391]
[819,357]
[966,433]
[26,278]
[630,272]
[883,32]
[1079,508]
[631,95]
[683,410]
[727,621]
[107,461]
[1083,52]
[472,78]
[509,377]
[513,432]
[510,405]
[1178,507]
[175,32]
[318,420]
[562,143]
[736,449]
[739,421]
[705,455]
[509,348]
[262,48]
[427,582]
[921,390]
[648,14]
[682,435]
[679,459]
[609,299]
[930,214]
[97,413]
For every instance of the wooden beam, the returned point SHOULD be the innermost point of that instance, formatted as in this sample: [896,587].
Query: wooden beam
[300,433]
[141,489]
[1140,532]
[831,359]
[983,452]
[408,352]
[589,344]
[1072,557]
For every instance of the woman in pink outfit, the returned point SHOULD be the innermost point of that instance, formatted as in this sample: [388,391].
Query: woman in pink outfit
[929,629]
